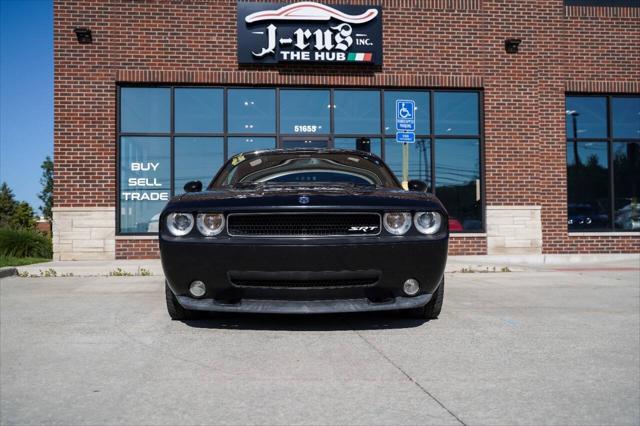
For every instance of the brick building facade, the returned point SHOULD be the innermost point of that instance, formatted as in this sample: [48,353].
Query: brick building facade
[435,45]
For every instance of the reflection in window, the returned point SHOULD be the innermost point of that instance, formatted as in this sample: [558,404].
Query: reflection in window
[588,185]
[421,100]
[458,181]
[251,110]
[249,143]
[419,159]
[145,170]
[590,201]
[357,111]
[456,113]
[305,111]
[198,110]
[360,144]
[145,109]
[625,112]
[200,139]
[626,167]
[196,158]
[586,117]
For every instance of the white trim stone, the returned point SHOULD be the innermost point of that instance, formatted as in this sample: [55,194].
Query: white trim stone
[84,233]
[514,230]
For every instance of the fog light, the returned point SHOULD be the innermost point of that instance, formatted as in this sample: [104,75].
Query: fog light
[197,289]
[411,287]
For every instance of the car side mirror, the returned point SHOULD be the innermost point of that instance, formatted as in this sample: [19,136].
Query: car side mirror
[193,186]
[417,185]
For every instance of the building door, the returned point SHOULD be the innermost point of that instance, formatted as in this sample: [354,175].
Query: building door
[304,142]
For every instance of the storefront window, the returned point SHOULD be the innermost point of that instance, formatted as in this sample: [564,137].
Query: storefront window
[456,113]
[421,100]
[305,111]
[365,144]
[626,166]
[251,110]
[145,182]
[458,181]
[586,117]
[419,159]
[196,158]
[595,168]
[249,143]
[626,117]
[357,112]
[159,152]
[588,191]
[199,110]
[145,110]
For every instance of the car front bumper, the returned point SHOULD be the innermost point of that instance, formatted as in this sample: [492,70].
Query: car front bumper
[375,273]
[304,306]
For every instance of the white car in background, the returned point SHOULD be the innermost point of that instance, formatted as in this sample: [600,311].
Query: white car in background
[153,224]
[628,217]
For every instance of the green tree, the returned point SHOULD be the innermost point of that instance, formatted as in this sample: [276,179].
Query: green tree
[46,196]
[23,216]
[8,205]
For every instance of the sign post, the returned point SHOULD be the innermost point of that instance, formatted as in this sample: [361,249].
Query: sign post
[405,133]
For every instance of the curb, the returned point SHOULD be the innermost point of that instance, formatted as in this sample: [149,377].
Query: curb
[8,271]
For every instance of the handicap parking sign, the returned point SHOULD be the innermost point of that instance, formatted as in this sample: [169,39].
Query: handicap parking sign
[405,115]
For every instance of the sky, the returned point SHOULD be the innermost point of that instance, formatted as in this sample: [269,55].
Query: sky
[26,94]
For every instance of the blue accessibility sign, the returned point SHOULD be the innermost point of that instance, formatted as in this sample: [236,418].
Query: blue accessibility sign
[405,137]
[405,115]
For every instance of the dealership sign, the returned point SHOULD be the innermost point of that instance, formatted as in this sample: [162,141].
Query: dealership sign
[270,33]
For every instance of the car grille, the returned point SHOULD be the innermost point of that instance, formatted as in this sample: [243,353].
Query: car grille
[305,224]
[363,282]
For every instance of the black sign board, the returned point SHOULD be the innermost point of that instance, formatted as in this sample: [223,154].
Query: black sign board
[270,33]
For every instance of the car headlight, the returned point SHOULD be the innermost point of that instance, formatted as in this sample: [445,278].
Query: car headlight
[427,222]
[210,224]
[180,224]
[397,223]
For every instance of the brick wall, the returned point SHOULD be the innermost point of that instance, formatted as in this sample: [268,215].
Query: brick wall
[137,248]
[452,43]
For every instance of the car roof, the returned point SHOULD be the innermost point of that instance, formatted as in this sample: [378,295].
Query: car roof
[310,151]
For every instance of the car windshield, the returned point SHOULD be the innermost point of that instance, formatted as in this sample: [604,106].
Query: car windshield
[304,168]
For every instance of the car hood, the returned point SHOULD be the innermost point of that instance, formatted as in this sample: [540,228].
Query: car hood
[268,197]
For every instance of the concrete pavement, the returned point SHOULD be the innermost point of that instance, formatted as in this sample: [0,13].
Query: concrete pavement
[537,347]
[485,263]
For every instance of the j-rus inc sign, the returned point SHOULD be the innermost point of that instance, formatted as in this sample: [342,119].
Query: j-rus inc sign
[269,33]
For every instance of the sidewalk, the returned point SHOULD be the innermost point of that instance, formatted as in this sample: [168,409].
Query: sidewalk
[455,264]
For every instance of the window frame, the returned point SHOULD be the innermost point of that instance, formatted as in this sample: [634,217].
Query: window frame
[610,140]
[278,136]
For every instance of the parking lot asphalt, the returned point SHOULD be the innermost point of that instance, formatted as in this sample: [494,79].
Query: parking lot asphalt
[543,347]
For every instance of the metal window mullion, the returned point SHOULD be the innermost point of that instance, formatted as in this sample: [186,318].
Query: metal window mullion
[118,151]
[225,129]
[277,89]
[383,151]
[610,164]
[332,110]
[481,166]
[432,147]
[172,148]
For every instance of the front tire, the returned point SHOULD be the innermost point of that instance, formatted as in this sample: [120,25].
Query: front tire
[175,309]
[432,309]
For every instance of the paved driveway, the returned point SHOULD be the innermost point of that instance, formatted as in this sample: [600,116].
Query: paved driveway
[509,348]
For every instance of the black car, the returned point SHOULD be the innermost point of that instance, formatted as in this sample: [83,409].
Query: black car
[304,231]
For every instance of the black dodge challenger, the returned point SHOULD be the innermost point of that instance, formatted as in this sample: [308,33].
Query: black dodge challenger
[304,231]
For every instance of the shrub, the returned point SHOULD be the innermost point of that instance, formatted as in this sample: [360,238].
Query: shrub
[24,243]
